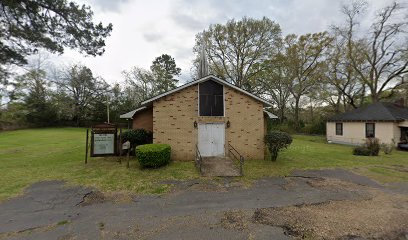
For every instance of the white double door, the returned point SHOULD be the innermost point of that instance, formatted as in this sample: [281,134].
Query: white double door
[211,139]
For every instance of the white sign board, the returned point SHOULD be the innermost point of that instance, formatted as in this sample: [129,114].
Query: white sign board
[104,143]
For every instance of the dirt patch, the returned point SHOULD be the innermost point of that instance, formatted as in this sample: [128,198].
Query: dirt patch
[382,217]
[234,220]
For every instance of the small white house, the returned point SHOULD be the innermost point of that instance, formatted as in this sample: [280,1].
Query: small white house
[383,120]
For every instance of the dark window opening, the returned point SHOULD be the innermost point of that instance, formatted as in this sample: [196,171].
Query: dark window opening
[370,130]
[404,135]
[211,99]
[339,129]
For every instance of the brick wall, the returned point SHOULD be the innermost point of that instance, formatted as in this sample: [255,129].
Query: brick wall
[247,124]
[143,119]
[174,116]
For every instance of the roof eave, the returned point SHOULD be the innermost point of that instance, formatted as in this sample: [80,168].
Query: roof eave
[129,115]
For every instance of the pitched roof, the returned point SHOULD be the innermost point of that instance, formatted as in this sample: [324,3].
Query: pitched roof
[209,77]
[380,111]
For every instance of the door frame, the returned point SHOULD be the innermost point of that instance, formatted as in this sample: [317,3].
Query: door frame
[222,138]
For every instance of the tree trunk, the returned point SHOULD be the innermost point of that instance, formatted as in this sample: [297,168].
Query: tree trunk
[297,100]
[282,114]
[375,97]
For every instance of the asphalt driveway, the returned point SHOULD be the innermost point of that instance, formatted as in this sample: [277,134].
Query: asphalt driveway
[219,209]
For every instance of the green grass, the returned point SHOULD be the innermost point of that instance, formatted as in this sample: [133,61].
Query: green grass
[312,152]
[28,156]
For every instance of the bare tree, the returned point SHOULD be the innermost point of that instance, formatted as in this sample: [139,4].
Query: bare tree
[342,76]
[140,84]
[383,49]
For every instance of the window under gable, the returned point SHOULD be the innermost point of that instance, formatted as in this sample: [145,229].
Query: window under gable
[211,99]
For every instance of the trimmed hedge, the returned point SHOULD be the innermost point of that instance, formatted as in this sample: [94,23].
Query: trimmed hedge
[153,155]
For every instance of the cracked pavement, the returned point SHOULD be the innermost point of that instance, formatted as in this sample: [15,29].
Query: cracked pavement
[193,210]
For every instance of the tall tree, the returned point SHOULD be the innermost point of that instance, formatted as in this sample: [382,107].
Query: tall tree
[33,90]
[342,80]
[26,26]
[237,49]
[78,84]
[164,70]
[304,59]
[275,81]
[140,85]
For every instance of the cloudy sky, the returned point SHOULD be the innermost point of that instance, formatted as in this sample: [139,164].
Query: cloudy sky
[143,30]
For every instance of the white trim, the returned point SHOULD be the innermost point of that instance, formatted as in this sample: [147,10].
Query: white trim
[198,97]
[270,115]
[209,77]
[129,115]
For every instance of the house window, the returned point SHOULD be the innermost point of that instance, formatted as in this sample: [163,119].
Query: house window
[370,130]
[211,101]
[339,129]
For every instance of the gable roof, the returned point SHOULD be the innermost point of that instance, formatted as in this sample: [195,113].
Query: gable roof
[206,78]
[380,111]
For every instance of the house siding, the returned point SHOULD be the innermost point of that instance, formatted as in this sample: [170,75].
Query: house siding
[354,132]
[143,120]
[174,116]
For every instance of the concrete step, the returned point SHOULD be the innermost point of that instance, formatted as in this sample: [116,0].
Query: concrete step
[219,167]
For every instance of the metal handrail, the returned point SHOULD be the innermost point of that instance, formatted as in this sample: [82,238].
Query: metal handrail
[198,159]
[241,159]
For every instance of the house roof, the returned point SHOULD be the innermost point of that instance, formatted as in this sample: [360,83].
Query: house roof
[131,113]
[380,111]
[203,79]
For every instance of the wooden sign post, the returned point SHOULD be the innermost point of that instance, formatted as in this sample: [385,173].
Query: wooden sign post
[86,146]
[104,140]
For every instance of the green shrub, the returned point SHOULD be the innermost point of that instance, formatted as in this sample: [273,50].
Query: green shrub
[276,141]
[373,144]
[153,155]
[361,151]
[316,127]
[282,127]
[137,137]
[370,148]
[387,148]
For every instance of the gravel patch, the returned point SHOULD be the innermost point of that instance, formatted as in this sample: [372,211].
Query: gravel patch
[385,216]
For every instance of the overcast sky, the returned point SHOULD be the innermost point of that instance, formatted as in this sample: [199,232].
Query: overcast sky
[143,30]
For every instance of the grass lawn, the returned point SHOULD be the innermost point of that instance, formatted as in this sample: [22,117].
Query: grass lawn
[313,152]
[28,156]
